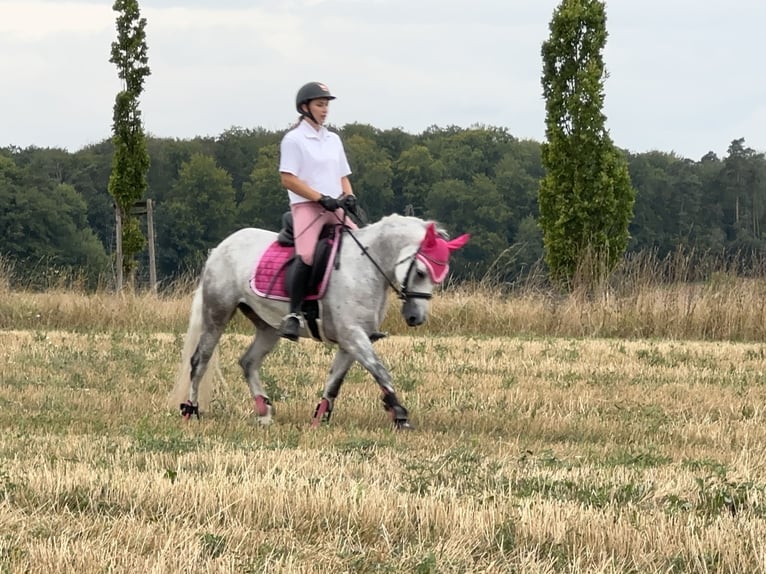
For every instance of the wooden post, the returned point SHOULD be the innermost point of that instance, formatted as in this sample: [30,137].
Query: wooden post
[145,207]
[150,240]
[118,255]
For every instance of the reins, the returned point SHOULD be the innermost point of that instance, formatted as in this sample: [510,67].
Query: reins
[403,293]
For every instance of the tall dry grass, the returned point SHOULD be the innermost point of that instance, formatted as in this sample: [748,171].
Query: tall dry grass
[681,297]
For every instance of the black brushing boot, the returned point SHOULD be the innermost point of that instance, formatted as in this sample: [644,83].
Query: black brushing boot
[291,323]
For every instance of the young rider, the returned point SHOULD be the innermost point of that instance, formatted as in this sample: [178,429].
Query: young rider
[314,169]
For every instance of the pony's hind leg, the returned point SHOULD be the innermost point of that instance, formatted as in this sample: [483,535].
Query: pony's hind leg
[206,325]
[265,340]
[340,366]
[199,364]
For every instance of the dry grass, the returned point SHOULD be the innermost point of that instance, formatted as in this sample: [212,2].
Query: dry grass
[728,309]
[724,308]
[532,454]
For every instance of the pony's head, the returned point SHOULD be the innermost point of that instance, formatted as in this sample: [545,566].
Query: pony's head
[419,271]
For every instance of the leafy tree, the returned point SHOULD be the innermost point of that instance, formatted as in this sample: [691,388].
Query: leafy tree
[395,141]
[365,131]
[668,209]
[264,200]
[710,233]
[128,181]
[195,216]
[236,150]
[50,163]
[43,222]
[167,156]
[86,170]
[90,177]
[586,198]
[476,208]
[518,175]
[414,172]
[466,153]
[653,215]
[372,175]
[744,194]
[528,245]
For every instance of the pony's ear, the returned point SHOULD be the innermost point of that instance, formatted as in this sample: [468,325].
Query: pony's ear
[458,242]
[431,235]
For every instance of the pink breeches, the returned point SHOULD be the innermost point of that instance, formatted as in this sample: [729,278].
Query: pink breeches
[308,219]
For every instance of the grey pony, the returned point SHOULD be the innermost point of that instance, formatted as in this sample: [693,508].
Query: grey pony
[382,257]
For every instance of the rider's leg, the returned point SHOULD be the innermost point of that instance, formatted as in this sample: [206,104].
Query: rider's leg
[291,323]
[308,219]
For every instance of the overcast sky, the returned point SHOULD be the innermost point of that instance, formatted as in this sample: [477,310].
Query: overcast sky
[685,76]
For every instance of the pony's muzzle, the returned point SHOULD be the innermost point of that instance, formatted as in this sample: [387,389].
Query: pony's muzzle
[413,314]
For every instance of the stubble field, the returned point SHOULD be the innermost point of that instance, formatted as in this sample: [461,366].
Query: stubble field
[532,453]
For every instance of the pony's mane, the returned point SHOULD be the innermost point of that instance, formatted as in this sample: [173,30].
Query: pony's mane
[396,219]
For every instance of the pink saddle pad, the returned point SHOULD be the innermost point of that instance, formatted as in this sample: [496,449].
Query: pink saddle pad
[268,278]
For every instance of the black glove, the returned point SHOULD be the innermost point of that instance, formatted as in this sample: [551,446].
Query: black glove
[349,203]
[329,203]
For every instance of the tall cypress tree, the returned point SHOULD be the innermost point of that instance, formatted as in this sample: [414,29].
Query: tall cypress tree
[130,162]
[586,198]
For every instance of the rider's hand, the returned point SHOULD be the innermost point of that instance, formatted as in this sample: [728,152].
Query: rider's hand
[349,203]
[329,203]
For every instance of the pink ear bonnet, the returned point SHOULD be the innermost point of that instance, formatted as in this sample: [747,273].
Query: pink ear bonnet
[434,252]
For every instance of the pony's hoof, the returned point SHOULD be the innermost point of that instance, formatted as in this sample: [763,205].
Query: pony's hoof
[377,336]
[403,425]
[264,410]
[322,413]
[267,419]
[188,410]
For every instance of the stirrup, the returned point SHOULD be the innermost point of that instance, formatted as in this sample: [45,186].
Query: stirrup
[292,334]
[297,316]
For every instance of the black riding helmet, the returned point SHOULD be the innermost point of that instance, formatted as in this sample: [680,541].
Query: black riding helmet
[311,91]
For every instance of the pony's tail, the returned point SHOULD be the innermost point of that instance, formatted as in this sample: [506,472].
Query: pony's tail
[180,392]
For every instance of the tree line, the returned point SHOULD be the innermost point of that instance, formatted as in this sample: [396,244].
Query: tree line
[56,212]
[550,206]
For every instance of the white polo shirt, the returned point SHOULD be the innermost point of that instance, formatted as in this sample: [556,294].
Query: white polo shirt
[316,157]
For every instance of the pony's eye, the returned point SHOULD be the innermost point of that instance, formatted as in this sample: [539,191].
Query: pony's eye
[420,274]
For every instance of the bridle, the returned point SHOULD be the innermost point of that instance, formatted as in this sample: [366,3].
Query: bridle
[403,292]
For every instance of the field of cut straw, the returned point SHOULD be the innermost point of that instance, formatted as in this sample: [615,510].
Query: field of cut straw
[621,434]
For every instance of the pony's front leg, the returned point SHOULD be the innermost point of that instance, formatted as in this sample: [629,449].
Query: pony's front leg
[340,366]
[358,345]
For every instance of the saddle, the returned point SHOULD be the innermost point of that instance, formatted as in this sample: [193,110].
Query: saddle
[272,274]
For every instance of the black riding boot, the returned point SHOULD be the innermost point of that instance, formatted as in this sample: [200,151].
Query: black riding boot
[291,323]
